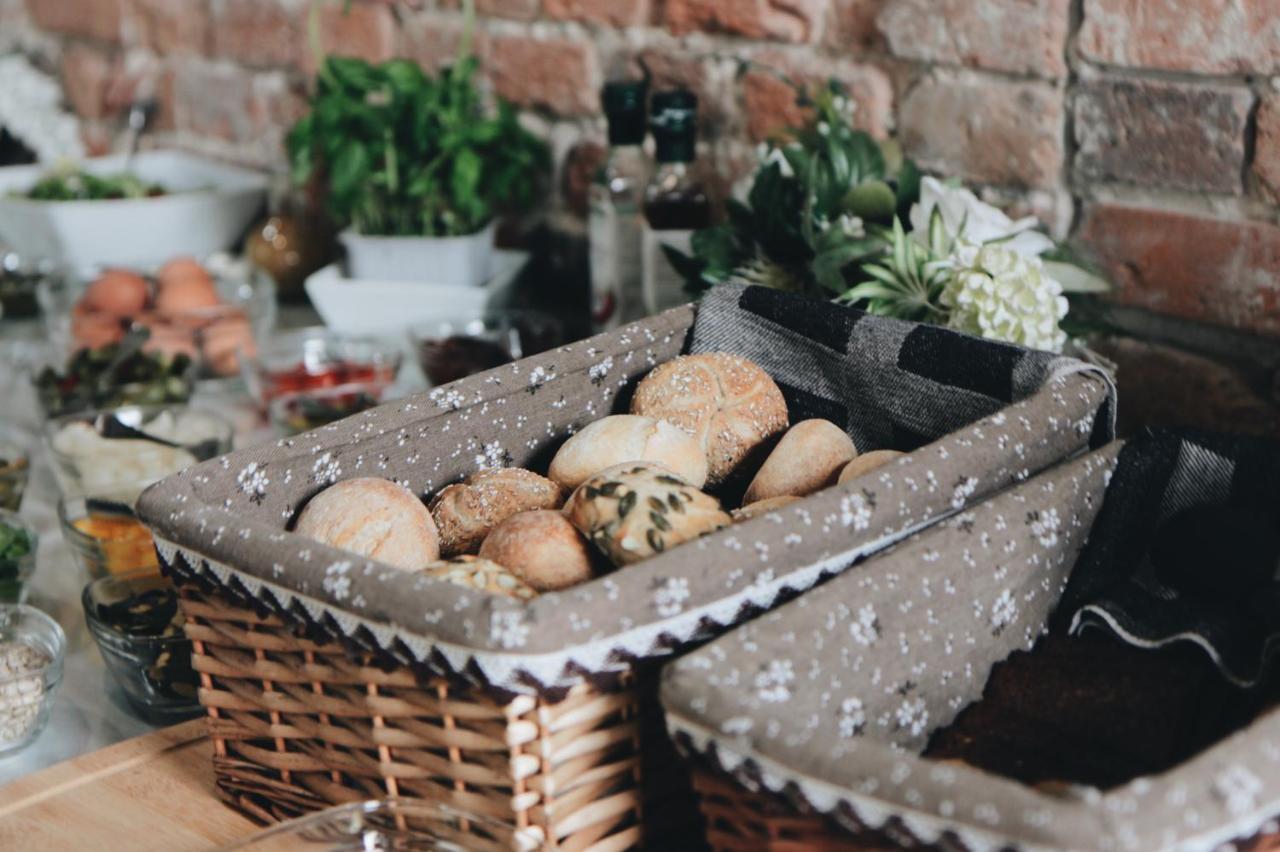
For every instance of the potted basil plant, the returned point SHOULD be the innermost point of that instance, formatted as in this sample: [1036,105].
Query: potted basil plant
[416,167]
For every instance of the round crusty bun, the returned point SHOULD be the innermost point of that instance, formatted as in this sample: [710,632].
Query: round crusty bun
[628,438]
[375,518]
[866,463]
[465,512]
[807,459]
[726,402]
[541,548]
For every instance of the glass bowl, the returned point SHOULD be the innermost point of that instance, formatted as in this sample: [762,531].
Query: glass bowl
[295,413]
[451,349]
[15,465]
[311,359]
[399,824]
[111,376]
[105,537]
[136,622]
[215,331]
[109,451]
[26,697]
[18,545]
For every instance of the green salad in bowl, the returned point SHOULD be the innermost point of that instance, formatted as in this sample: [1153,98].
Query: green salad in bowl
[72,184]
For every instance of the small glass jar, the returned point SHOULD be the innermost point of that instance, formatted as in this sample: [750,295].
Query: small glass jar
[136,622]
[26,695]
[18,544]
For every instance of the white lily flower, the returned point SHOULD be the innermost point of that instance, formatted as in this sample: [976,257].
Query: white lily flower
[966,217]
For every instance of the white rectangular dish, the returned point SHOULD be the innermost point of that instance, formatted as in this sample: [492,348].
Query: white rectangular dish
[206,208]
[357,306]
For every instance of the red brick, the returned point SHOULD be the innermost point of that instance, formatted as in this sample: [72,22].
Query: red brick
[852,25]
[431,42]
[1165,134]
[260,32]
[558,75]
[608,13]
[984,129]
[170,26]
[1203,269]
[87,75]
[1021,36]
[1266,155]
[517,10]
[96,19]
[782,20]
[1213,36]
[769,94]
[362,30]
[231,104]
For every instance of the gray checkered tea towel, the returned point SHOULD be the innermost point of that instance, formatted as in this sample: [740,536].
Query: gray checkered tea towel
[1186,548]
[888,383]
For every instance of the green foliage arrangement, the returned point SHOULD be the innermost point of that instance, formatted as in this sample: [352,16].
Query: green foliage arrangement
[837,214]
[407,154]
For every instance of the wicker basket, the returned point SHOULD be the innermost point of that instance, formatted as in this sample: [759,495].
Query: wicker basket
[299,724]
[329,679]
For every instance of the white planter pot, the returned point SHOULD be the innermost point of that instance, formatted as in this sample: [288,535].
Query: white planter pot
[456,261]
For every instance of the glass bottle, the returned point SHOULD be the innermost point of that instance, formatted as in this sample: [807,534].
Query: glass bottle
[293,241]
[614,221]
[675,201]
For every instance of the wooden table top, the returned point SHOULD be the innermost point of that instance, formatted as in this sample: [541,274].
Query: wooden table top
[154,792]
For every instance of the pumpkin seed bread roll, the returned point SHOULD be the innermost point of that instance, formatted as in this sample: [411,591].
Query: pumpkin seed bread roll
[639,509]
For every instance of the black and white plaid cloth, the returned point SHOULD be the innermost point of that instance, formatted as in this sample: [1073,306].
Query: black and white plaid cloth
[1186,547]
[887,382]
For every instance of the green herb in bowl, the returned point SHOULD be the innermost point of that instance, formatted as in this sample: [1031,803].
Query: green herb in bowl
[17,557]
[116,375]
[77,185]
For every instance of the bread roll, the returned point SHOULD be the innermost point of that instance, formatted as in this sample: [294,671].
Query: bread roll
[541,548]
[635,510]
[867,462]
[761,507]
[481,575]
[807,459]
[374,518]
[467,511]
[726,402]
[626,438]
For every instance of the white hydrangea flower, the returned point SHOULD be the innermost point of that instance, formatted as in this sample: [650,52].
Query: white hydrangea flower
[997,293]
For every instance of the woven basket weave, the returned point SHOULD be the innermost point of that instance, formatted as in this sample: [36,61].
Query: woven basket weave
[299,725]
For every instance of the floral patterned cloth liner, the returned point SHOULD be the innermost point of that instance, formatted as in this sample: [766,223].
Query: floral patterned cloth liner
[831,698]
[226,520]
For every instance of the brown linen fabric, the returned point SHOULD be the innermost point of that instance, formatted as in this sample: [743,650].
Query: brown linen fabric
[831,698]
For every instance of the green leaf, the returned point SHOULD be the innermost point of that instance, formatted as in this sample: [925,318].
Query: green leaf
[1074,279]
[873,201]
[350,169]
[908,190]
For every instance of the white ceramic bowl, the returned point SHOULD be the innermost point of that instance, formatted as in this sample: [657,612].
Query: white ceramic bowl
[208,206]
[355,306]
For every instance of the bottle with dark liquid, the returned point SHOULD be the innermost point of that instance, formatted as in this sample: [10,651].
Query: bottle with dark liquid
[614,223]
[675,202]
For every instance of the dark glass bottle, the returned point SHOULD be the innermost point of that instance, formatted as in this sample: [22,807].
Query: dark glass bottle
[675,201]
[615,219]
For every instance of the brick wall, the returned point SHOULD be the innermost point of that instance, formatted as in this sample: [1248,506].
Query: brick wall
[1151,128]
